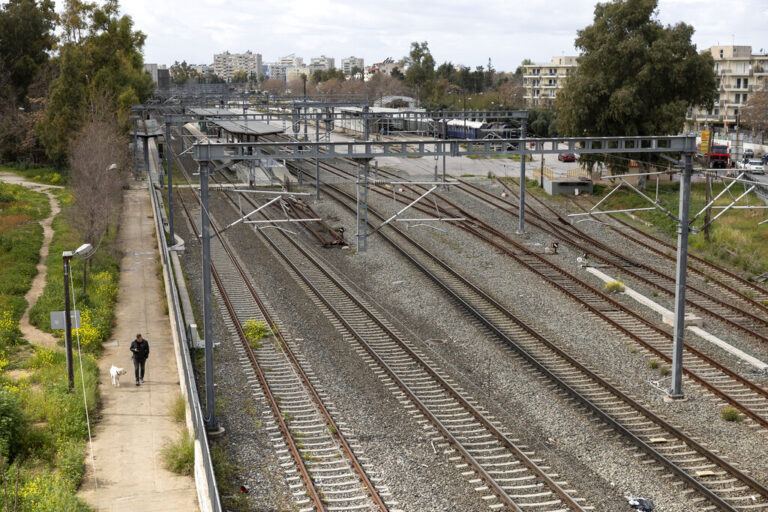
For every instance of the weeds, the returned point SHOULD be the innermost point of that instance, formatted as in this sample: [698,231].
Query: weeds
[179,455]
[653,364]
[614,287]
[731,413]
[179,409]
[254,331]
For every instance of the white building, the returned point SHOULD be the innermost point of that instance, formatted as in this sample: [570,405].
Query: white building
[351,62]
[322,63]
[227,64]
[739,74]
[291,61]
[542,81]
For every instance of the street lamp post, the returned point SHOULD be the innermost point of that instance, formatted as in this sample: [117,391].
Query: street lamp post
[67,257]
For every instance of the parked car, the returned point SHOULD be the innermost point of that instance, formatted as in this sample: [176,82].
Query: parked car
[753,165]
[566,157]
[749,153]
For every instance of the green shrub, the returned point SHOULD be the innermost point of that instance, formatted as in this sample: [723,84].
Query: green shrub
[254,331]
[46,493]
[614,287]
[13,426]
[731,413]
[71,463]
[179,455]
[10,334]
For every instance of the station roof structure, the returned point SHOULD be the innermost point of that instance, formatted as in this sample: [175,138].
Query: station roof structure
[234,126]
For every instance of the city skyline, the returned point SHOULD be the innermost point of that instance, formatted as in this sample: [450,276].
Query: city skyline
[340,28]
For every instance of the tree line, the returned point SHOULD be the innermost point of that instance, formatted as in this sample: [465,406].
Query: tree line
[61,71]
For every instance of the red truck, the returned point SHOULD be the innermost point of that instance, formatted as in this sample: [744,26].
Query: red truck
[719,157]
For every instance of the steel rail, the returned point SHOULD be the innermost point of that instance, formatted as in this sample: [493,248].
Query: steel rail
[362,474]
[620,307]
[333,426]
[625,264]
[754,287]
[308,482]
[507,443]
[700,487]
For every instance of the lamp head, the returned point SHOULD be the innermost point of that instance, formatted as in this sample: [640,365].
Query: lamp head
[83,250]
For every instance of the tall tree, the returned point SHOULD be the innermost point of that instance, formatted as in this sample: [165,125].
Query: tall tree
[65,107]
[421,69]
[101,59]
[26,37]
[635,76]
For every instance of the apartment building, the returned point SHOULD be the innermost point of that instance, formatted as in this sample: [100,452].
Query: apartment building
[322,63]
[351,62]
[740,73]
[227,64]
[542,81]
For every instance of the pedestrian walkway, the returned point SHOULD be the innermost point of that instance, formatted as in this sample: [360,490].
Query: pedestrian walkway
[135,421]
[31,333]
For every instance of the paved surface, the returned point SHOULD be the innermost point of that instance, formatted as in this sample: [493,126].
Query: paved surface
[136,422]
[31,333]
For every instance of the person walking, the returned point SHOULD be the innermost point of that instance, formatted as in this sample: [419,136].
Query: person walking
[140,349]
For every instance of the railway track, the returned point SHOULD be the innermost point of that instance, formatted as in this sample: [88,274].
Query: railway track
[733,285]
[719,483]
[735,310]
[508,475]
[713,479]
[329,474]
[734,389]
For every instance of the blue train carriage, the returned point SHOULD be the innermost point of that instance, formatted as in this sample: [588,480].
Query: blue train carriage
[465,129]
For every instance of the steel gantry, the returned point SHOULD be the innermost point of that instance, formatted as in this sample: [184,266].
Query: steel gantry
[366,150]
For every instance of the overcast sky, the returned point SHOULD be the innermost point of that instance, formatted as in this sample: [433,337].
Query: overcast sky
[461,31]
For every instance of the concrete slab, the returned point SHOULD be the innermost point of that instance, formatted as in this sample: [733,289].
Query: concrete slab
[136,421]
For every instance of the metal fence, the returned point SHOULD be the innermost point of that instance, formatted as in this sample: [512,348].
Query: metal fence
[204,476]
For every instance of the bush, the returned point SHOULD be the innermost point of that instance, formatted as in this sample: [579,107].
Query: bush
[13,426]
[179,455]
[71,463]
[614,287]
[10,334]
[46,493]
[254,331]
[731,413]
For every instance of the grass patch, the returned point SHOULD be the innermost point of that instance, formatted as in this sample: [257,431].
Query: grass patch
[664,371]
[179,455]
[653,364]
[731,413]
[21,237]
[614,287]
[96,305]
[44,175]
[179,409]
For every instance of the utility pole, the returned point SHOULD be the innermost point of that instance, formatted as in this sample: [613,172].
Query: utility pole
[210,410]
[67,257]
[541,172]
[523,155]
[682,266]
[170,179]
[317,160]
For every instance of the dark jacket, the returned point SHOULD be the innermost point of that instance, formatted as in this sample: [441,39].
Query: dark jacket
[140,350]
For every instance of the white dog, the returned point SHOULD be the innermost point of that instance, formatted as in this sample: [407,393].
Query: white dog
[115,373]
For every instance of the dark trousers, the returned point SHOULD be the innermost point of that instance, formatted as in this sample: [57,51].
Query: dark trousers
[138,367]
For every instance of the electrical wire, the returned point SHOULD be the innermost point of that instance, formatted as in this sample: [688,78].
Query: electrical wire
[82,381]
